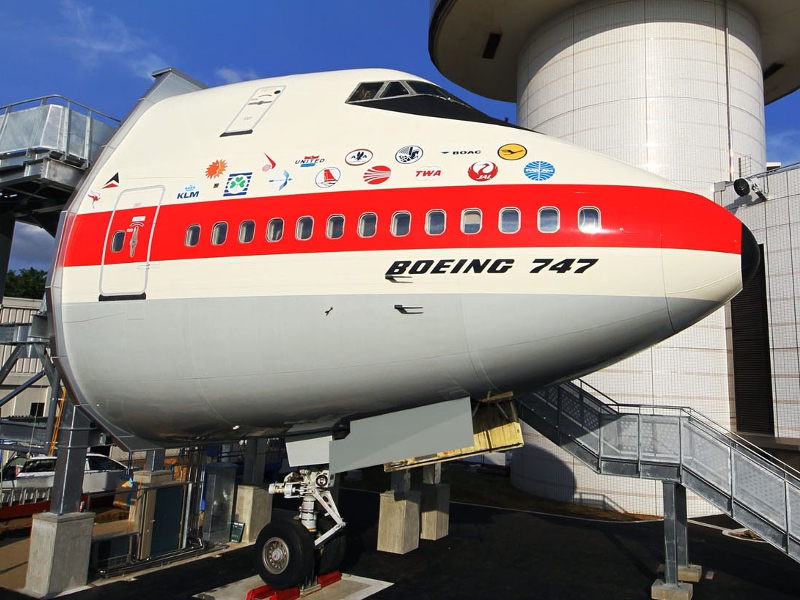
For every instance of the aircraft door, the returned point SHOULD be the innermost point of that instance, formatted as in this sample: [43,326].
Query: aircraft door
[126,253]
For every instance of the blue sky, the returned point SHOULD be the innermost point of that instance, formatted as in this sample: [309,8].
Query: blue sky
[101,53]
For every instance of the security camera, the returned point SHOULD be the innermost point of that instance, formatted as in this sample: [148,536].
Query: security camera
[746,186]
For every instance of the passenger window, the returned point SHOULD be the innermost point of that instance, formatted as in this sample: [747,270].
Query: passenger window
[274,230]
[117,241]
[401,223]
[367,225]
[192,235]
[335,227]
[305,227]
[471,220]
[247,231]
[548,219]
[589,219]
[434,223]
[220,233]
[509,220]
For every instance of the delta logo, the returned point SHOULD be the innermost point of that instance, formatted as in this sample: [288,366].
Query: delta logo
[427,173]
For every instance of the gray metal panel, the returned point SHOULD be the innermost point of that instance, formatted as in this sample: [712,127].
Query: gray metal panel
[405,434]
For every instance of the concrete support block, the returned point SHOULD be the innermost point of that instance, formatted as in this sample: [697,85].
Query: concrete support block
[58,559]
[398,524]
[690,573]
[253,508]
[435,511]
[666,591]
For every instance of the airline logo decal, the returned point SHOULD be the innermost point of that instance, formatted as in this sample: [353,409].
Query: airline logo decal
[216,168]
[113,182]
[358,157]
[189,191]
[94,196]
[428,173]
[270,164]
[459,152]
[377,174]
[328,177]
[512,152]
[282,181]
[539,170]
[309,161]
[238,184]
[408,154]
[482,171]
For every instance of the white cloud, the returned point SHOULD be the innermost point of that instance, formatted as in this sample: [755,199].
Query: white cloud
[233,76]
[784,146]
[93,38]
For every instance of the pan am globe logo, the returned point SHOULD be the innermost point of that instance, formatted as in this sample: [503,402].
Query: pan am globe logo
[539,170]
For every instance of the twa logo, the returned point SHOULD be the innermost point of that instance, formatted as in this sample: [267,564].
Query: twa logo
[482,171]
[377,174]
[428,173]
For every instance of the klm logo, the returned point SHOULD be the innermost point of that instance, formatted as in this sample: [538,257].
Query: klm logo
[188,195]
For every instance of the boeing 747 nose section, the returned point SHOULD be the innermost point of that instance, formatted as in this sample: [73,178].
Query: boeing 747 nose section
[708,256]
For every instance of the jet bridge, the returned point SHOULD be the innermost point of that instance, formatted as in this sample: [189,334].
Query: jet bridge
[682,448]
[46,145]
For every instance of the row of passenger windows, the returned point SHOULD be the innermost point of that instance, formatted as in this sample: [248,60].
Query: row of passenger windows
[435,224]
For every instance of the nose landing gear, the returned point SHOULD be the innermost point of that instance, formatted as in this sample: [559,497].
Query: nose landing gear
[293,551]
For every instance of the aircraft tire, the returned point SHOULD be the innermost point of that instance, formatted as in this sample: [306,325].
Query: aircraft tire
[284,552]
[330,556]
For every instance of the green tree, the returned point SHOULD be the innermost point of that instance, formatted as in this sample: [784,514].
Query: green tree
[25,283]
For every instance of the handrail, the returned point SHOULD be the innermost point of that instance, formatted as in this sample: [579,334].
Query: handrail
[697,417]
[44,100]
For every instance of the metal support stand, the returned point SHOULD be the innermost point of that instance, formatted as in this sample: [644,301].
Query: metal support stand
[73,442]
[154,460]
[255,460]
[675,545]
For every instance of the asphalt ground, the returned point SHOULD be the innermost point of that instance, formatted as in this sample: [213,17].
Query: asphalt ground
[496,553]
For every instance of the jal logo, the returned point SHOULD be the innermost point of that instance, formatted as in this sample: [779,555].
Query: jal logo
[328,177]
[459,152]
[539,170]
[482,171]
[238,184]
[408,154]
[188,192]
[428,173]
[309,161]
[377,174]
[358,157]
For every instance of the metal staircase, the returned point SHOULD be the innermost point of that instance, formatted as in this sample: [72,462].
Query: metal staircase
[673,444]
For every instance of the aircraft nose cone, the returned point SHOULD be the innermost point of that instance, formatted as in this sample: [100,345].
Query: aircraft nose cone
[751,255]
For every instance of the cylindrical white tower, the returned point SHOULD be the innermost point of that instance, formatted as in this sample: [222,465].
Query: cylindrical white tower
[672,86]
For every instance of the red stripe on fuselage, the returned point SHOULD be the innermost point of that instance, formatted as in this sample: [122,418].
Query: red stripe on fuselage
[630,217]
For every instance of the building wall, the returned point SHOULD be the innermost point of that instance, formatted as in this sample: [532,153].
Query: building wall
[20,310]
[674,87]
[775,223]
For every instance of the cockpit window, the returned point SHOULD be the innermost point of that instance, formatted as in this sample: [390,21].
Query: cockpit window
[394,89]
[366,91]
[418,98]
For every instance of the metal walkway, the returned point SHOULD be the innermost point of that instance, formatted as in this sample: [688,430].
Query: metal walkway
[46,145]
[676,445]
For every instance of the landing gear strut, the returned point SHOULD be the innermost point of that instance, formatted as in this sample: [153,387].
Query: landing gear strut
[290,552]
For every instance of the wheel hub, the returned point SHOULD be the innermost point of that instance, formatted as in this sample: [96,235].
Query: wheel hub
[276,555]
